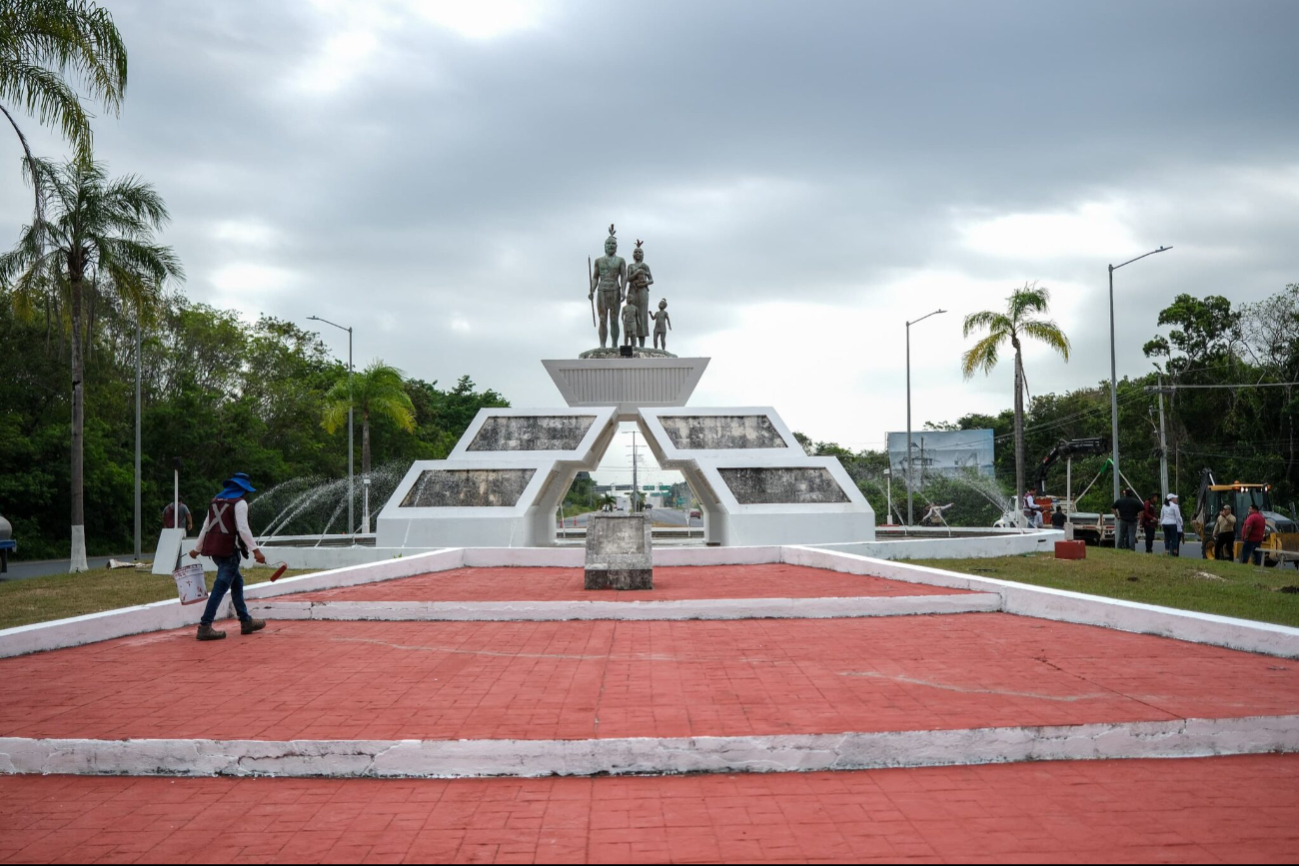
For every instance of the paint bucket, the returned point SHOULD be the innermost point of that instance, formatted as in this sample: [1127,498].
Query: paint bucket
[190,584]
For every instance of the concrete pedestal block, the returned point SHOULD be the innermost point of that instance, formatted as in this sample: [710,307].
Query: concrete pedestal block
[618,552]
[1070,550]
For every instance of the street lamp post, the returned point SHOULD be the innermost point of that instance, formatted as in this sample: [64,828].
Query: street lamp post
[1114,381]
[888,478]
[911,518]
[351,525]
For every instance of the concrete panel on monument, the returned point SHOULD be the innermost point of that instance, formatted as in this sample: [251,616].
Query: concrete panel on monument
[470,502]
[782,485]
[689,434]
[627,383]
[618,552]
[721,432]
[501,483]
[468,488]
[532,433]
[568,434]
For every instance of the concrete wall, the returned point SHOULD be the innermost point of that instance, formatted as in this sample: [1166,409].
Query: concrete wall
[1011,543]
[163,615]
[1063,606]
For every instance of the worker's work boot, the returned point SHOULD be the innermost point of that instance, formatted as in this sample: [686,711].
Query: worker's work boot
[248,626]
[206,632]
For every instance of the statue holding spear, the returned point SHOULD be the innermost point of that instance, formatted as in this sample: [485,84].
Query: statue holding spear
[608,277]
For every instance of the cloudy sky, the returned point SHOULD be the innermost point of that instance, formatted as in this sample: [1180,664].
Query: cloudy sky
[806,177]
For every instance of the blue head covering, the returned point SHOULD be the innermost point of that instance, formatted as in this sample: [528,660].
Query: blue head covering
[237,485]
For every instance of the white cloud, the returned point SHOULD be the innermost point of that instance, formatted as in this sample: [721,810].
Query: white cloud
[479,19]
[249,279]
[1092,229]
[338,61]
[246,232]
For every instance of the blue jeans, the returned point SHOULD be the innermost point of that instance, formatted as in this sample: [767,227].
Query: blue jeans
[1127,535]
[1247,550]
[228,578]
[1172,540]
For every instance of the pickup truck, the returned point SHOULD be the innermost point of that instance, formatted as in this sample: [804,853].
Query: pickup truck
[1089,527]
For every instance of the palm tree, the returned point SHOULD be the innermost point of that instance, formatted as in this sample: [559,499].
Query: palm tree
[1013,324]
[98,240]
[379,390]
[40,42]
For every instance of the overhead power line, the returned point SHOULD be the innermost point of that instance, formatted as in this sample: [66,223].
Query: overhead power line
[1155,389]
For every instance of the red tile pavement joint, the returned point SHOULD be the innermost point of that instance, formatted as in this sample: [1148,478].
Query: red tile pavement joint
[1237,809]
[585,680]
[771,580]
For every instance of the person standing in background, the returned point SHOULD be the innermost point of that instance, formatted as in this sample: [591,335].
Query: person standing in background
[1150,521]
[1224,535]
[1252,535]
[1058,518]
[1127,510]
[169,519]
[1171,520]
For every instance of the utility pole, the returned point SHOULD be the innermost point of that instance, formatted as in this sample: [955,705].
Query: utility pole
[635,478]
[1163,439]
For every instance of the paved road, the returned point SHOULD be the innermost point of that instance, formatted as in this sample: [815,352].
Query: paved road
[42,567]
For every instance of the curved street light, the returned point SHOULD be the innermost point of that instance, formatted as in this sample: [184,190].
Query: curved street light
[1114,382]
[351,526]
[910,514]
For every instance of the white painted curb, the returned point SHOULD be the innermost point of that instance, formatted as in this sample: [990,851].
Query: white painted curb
[1184,738]
[684,609]
[164,615]
[1064,606]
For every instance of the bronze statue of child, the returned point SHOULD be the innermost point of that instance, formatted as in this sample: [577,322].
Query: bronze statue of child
[630,322]
[661,325]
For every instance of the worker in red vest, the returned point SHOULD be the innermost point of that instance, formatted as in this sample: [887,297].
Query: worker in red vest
[225,537]
[1252,534]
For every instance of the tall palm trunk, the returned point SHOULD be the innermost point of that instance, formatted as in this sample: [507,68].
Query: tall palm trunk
[78,557]
[1019,423]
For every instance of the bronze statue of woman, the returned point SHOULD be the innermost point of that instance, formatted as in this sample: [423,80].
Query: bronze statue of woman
[639,279]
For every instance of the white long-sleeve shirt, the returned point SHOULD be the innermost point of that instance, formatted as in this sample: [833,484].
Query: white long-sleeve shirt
[1170,515]
[241,524]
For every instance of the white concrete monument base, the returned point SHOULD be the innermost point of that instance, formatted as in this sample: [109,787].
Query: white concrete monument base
[505,479]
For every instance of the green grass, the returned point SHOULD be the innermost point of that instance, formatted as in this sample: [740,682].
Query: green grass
[1224,588]
[38,599]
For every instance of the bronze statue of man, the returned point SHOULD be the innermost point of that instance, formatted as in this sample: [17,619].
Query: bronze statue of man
[609,279]
[639,279]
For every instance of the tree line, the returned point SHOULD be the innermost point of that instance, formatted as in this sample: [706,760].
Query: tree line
[223,394]
[1231,374]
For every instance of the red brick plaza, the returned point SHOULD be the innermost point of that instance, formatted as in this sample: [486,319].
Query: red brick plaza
[788,685]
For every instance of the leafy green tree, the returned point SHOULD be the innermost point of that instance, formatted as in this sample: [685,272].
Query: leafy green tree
[1206,329]
[1012,325]
[377,390]
[97,242]
[41,43]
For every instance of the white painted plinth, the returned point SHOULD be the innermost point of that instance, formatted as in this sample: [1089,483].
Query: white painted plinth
[627,384]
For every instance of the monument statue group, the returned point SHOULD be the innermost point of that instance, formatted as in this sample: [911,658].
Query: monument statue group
[506,478]
[621,293]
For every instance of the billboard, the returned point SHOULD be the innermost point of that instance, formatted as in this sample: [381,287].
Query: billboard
[942,452]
